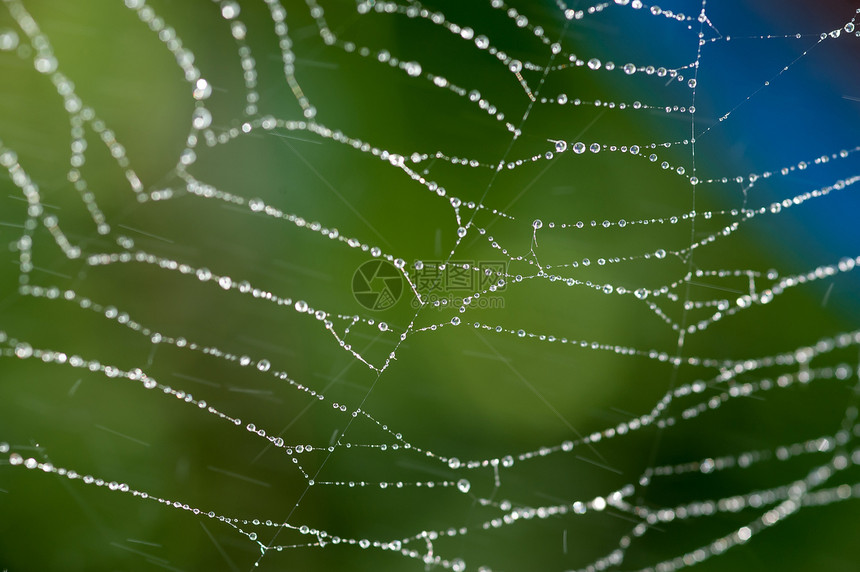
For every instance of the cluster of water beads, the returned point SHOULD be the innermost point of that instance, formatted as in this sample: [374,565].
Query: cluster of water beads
[802,165]
[766,84]
[743,216]
[651,354]
[725,308]
[654,10]
[789,499]
[745,459]
[268,123]
[744,213]
[799,492]
[461,485]
[411,68]
[576,147]
[20,178]
[646,151]
[802,355]
[650,516]
[202,118]
[46,63]
[23,350]
[228,283]
[323,537]
[849,28]
[563,99]
[483,43]
[594,148]
[466,33]
[767,295]
[556,48]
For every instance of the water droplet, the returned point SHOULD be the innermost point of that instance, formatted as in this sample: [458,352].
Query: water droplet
[538,223]
[45,64]
[229,10]
[461,232]
[455,321]
[301,306]
[641,293]
[579,147]
[463,485]
[202,89]
[629,69]
[263,365]
[201,119]
[594,148]
[660,253]
[594,63]
[454,463]
[691,83]
[560,146]
[23,350]
[8,40]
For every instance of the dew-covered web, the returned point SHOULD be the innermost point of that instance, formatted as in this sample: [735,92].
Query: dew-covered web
[392,286]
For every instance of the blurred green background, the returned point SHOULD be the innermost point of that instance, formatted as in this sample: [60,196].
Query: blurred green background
[462,392]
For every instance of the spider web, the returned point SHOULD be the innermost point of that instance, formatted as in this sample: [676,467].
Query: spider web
[466,286]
